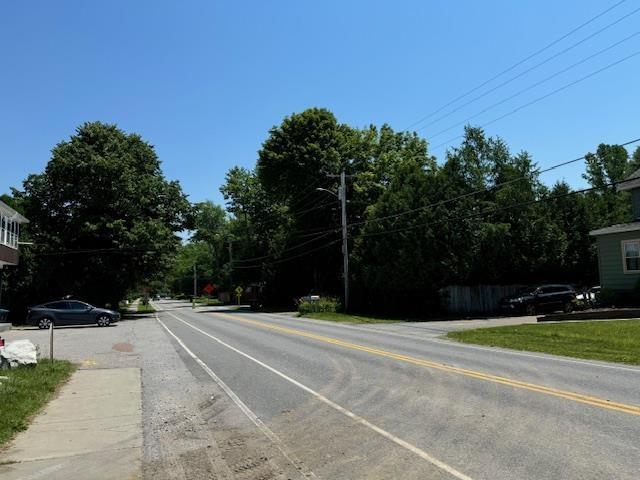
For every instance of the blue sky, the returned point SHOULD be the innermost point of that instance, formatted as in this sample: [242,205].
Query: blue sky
[203,81]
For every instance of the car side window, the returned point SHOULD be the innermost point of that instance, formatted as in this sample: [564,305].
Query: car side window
[555,290]
[77,305]
[57,305]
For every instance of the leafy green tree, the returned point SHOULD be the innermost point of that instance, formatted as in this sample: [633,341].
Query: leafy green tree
[608,165]
[103,217]
[302,149]
[180,275]
[634,163]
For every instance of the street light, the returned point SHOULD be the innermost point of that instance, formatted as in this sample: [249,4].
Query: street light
[319,189]
[342,198]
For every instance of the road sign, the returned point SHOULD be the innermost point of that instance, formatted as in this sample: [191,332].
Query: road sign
[209,289]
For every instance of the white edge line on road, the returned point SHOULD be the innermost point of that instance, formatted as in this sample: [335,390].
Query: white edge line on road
[246,410]
[358,419]
[549,357]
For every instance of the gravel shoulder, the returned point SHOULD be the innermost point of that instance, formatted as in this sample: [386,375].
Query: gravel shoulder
[191,428]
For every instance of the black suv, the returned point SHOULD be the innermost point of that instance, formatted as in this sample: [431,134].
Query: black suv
[544,298]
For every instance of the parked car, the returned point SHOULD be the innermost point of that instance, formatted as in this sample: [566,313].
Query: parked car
[542,298]
[589,296]
[70,312]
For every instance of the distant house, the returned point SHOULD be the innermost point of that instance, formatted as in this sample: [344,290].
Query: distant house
[10,222]
[619,245]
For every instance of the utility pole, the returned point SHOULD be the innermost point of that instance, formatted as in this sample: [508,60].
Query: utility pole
[231,264]
[195,287]
[342,195]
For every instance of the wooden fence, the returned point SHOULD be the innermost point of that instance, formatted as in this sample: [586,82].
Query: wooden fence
[463,299]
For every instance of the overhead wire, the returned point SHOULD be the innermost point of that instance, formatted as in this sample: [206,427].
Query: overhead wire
[543,97]
[294,247]
[497,186]
[518,63]
[286,259]
[533,85]
[500,209]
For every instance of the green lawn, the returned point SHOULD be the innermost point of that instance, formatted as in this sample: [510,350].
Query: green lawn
[142,308]
[26,392]
[346,318]
[208,302]
[611,341]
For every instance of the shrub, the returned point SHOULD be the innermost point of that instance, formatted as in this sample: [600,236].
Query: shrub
[606,297]
[324,304]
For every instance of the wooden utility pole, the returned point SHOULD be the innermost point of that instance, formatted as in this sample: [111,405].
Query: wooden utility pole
[195,287]
[342,197]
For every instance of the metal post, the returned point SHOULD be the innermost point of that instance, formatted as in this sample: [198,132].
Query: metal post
[231,265]
[195,287]
[342,195]
[51,342]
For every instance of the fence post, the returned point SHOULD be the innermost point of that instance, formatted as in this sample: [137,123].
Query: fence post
[51,343]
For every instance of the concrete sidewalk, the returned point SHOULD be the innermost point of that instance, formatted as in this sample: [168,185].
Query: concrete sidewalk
[93,429]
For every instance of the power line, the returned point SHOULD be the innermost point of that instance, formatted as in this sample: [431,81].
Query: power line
[506,82]
[540,82]
[497,209]
[497,186]
[96,250]
[543,97]
[294,247]
[517,64]
[283,260]
[449,219]
[481,190]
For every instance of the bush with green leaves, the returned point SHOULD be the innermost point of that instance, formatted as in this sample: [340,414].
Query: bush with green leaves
[322,305]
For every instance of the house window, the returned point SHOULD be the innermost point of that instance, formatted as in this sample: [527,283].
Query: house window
[631,256]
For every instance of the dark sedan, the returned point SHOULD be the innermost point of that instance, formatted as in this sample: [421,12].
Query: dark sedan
[70,312]
[544,298]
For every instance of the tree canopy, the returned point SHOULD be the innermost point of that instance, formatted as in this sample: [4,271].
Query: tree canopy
[481,215]
[103,217]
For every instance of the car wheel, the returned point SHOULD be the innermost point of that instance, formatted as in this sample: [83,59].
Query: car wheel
[567,307]
[103,321]
[44,323]
[530,310]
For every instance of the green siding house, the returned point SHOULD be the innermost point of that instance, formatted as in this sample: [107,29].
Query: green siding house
[619,245]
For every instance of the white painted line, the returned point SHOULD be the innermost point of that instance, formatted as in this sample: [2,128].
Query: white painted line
[358,419]
[243,407]
[422,338]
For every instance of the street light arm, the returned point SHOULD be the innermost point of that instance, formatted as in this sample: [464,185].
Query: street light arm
[319,189]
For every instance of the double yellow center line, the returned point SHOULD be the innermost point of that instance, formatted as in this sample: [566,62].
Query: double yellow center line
[576,397]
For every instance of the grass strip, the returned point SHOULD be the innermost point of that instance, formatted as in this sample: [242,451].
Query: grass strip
[142,308]
[26,391]
[346,318]
[610,341]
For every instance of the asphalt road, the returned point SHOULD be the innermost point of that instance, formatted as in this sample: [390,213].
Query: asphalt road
[348,402]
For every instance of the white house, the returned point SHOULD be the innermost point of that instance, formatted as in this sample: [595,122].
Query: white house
[10,222]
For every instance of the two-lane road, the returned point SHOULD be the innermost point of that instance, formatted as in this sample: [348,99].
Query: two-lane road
[348,402]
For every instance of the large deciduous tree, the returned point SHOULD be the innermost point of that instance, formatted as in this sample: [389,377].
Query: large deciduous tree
[103,216]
